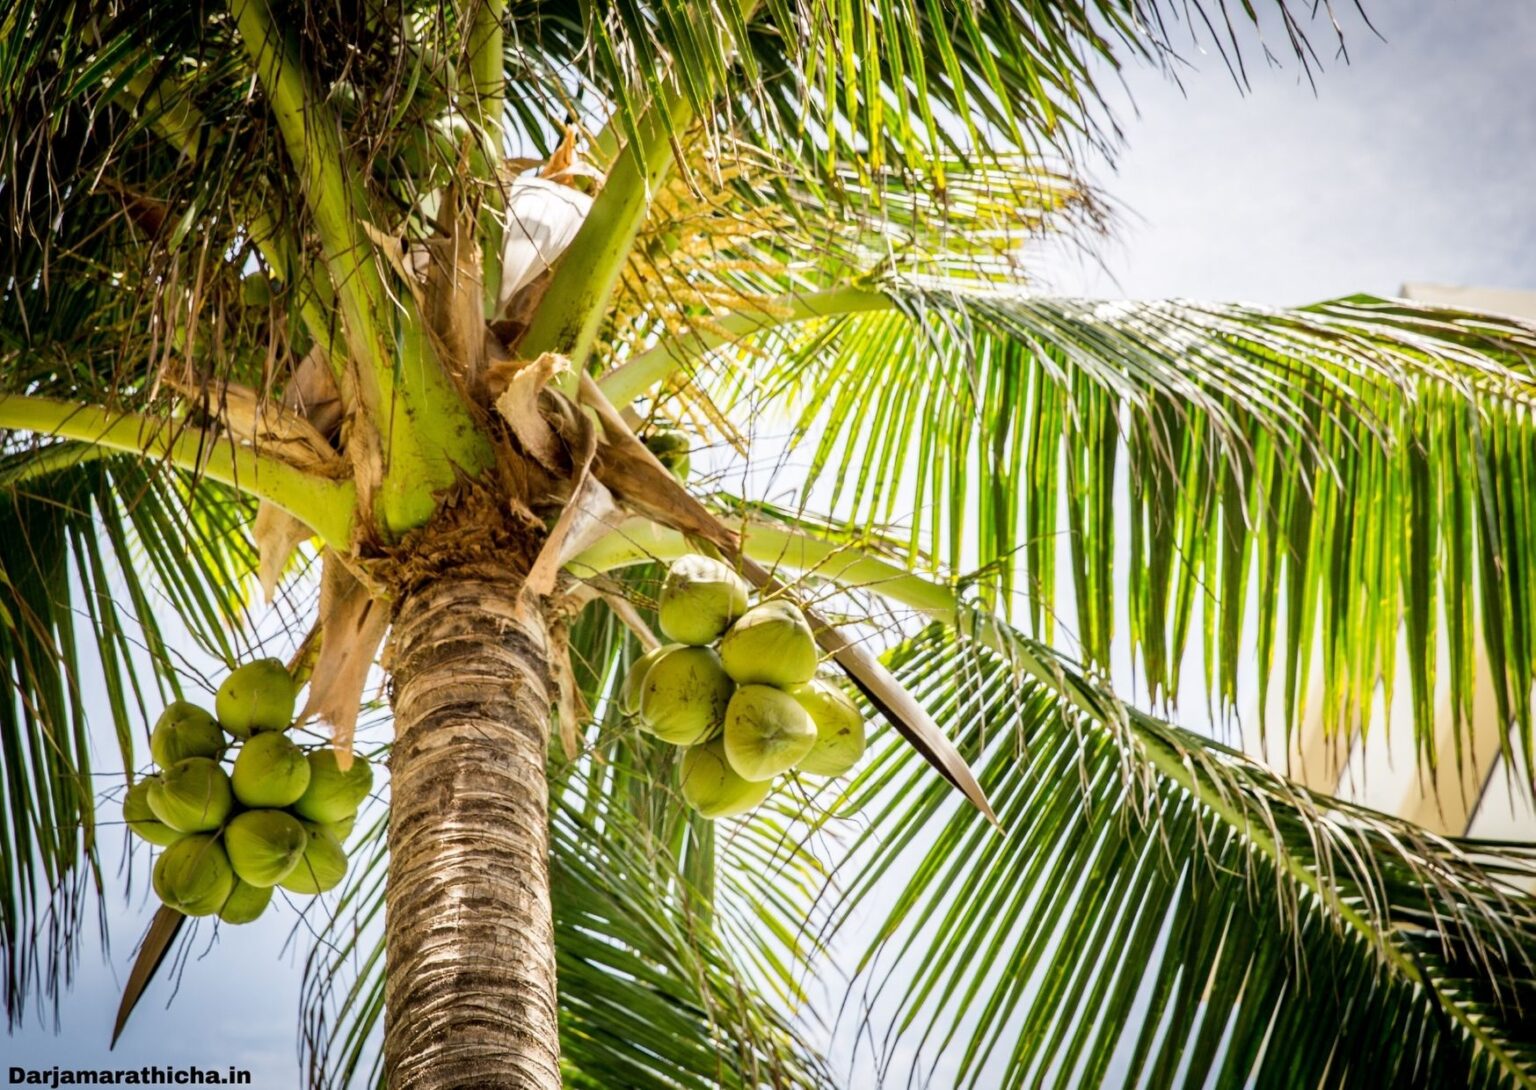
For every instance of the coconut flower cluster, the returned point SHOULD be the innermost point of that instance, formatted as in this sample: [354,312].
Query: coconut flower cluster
[738,688]
[277,816]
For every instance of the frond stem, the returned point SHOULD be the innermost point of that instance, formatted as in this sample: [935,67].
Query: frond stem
[324,504]
[335,200]
[411,418]
[483,91]
[576,304]
[640,372]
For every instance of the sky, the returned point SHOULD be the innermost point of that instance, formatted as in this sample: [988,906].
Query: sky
[1413,162]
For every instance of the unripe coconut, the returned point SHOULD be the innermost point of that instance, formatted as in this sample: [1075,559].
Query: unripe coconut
[771,645]
[665,441]
[246,903]
[766,732]
[671,448]
[712,787]
[839,728]
[334,795]
[270,771]
[265,845]
[323,867]
[684,696]
[634,681]
[191,796]
[184,730]
[141,819]
[258,696]
[341,829]
[193,876]
[699,600]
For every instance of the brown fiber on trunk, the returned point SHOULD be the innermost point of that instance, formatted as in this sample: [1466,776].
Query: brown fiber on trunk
[470,992]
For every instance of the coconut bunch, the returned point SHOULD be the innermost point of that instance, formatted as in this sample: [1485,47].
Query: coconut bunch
[238,806]
[738,688]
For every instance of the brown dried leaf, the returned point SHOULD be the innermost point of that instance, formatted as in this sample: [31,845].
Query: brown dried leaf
[518,404]
[626,612]
[451,304]
[162,931]
[406,263]
[570,708]
[265,424]
[312,393]
[277,534]
[589,503]
[641,483]
[352,625]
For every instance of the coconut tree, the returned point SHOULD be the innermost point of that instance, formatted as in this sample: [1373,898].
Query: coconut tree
[376,305]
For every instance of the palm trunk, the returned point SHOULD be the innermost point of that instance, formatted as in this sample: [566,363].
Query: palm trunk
[470,993]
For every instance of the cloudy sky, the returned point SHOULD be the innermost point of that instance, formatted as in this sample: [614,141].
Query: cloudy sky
[1414,162]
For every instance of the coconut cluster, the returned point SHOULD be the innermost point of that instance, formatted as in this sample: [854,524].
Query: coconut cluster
[238,806]
[738,688]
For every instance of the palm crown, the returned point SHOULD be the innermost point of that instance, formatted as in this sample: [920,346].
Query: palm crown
[276,274]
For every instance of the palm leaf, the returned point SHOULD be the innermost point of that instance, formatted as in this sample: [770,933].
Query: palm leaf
[1162,909]
[1304,480]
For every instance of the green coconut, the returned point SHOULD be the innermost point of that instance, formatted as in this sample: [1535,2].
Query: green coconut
[270,771]
[141,819]
[334,795]
[634,681]
[766,732]
[192,796]
[323,866]
[671,448]
[839,728]
[712,787]
[772,644]
[341,829]
[700,599]
[246,903]
[258,696]
[184,730]
[684,696]
[193,876]
[265,845]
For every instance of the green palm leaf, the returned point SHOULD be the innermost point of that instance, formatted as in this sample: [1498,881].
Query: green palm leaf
[1313,478]
[1161,908]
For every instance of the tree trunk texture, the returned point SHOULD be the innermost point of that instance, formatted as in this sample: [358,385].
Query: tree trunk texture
[470,986]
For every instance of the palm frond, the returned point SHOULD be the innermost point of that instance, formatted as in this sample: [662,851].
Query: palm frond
[1302,481]
[1161,911]
[131,136]
[899,85]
